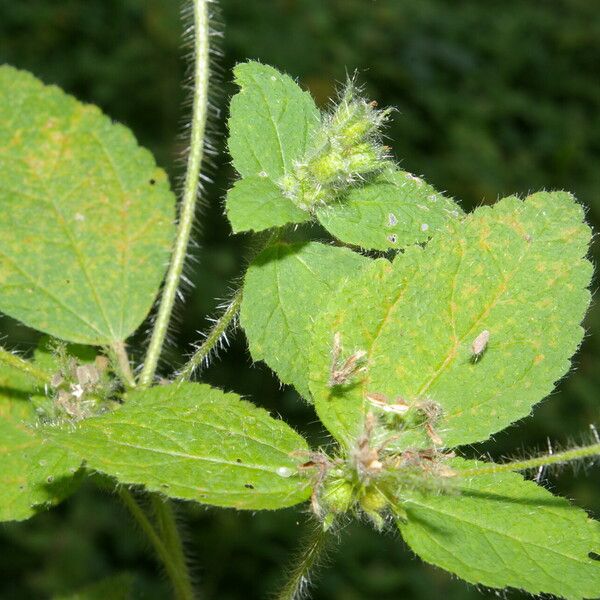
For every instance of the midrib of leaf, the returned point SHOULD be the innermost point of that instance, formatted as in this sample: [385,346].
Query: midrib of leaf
[275,128]
[486,530]
[502,289]
[228,430]
[177,454]
[124,232]
[453,303]
[250,146]
[74,119]
[305,130]
[280,296]
[366,381]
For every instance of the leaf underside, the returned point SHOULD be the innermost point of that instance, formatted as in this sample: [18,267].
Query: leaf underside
[516,270]
[86,219]
[286,287]
[395,210]
[503,531]
[193,442]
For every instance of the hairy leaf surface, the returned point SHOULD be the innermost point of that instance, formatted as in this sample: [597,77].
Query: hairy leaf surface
[256,203]
[285,289]
[393,211]
[271,122]
[194,442]
[86,224]
[503,531]
[33,474]
[516,270]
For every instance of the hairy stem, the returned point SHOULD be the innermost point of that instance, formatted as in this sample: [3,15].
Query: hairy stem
[16,362]
[220,327]
[311,551]
[176,571]
[534,463]
[190,189]
[212,338]
[167,526]
[122,363]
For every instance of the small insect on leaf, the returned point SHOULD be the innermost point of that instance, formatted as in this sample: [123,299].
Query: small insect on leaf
[398,407]
[342,371]
[480,344]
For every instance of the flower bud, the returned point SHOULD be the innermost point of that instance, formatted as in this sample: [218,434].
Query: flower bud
[346,149]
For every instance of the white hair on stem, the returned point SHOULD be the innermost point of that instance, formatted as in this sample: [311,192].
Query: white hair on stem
[198,17]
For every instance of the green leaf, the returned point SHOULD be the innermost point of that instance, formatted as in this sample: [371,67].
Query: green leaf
[393,211]
[271,122]
[194,442]
[256,203]
[87,218]
[285,289]
[503,531]
[516,270]
[33,474]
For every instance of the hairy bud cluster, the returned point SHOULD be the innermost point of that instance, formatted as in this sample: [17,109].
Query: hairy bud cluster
[347,149]
[77,390]
[370,480]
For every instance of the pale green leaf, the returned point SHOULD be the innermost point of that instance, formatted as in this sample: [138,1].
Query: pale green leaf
[285,289]
[86,224]
[256,203]
[194,442]
[271,122]
[393,211]
[33,474]
[503,531]
[516,270]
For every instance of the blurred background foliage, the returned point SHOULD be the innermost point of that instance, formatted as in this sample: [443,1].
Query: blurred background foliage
[493,98]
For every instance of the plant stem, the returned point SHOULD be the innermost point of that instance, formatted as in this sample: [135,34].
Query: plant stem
[176,571]
[311,550]
[533,463]
[167,526]
[212,338]
[123,364]
[190,189]
[220,327]
[16,362]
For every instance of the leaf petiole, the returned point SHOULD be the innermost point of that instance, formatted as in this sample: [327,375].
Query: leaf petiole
[533,463]
[309,555]
[212,339]
[122,363]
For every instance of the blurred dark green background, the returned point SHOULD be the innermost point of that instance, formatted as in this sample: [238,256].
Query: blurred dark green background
[494,97]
